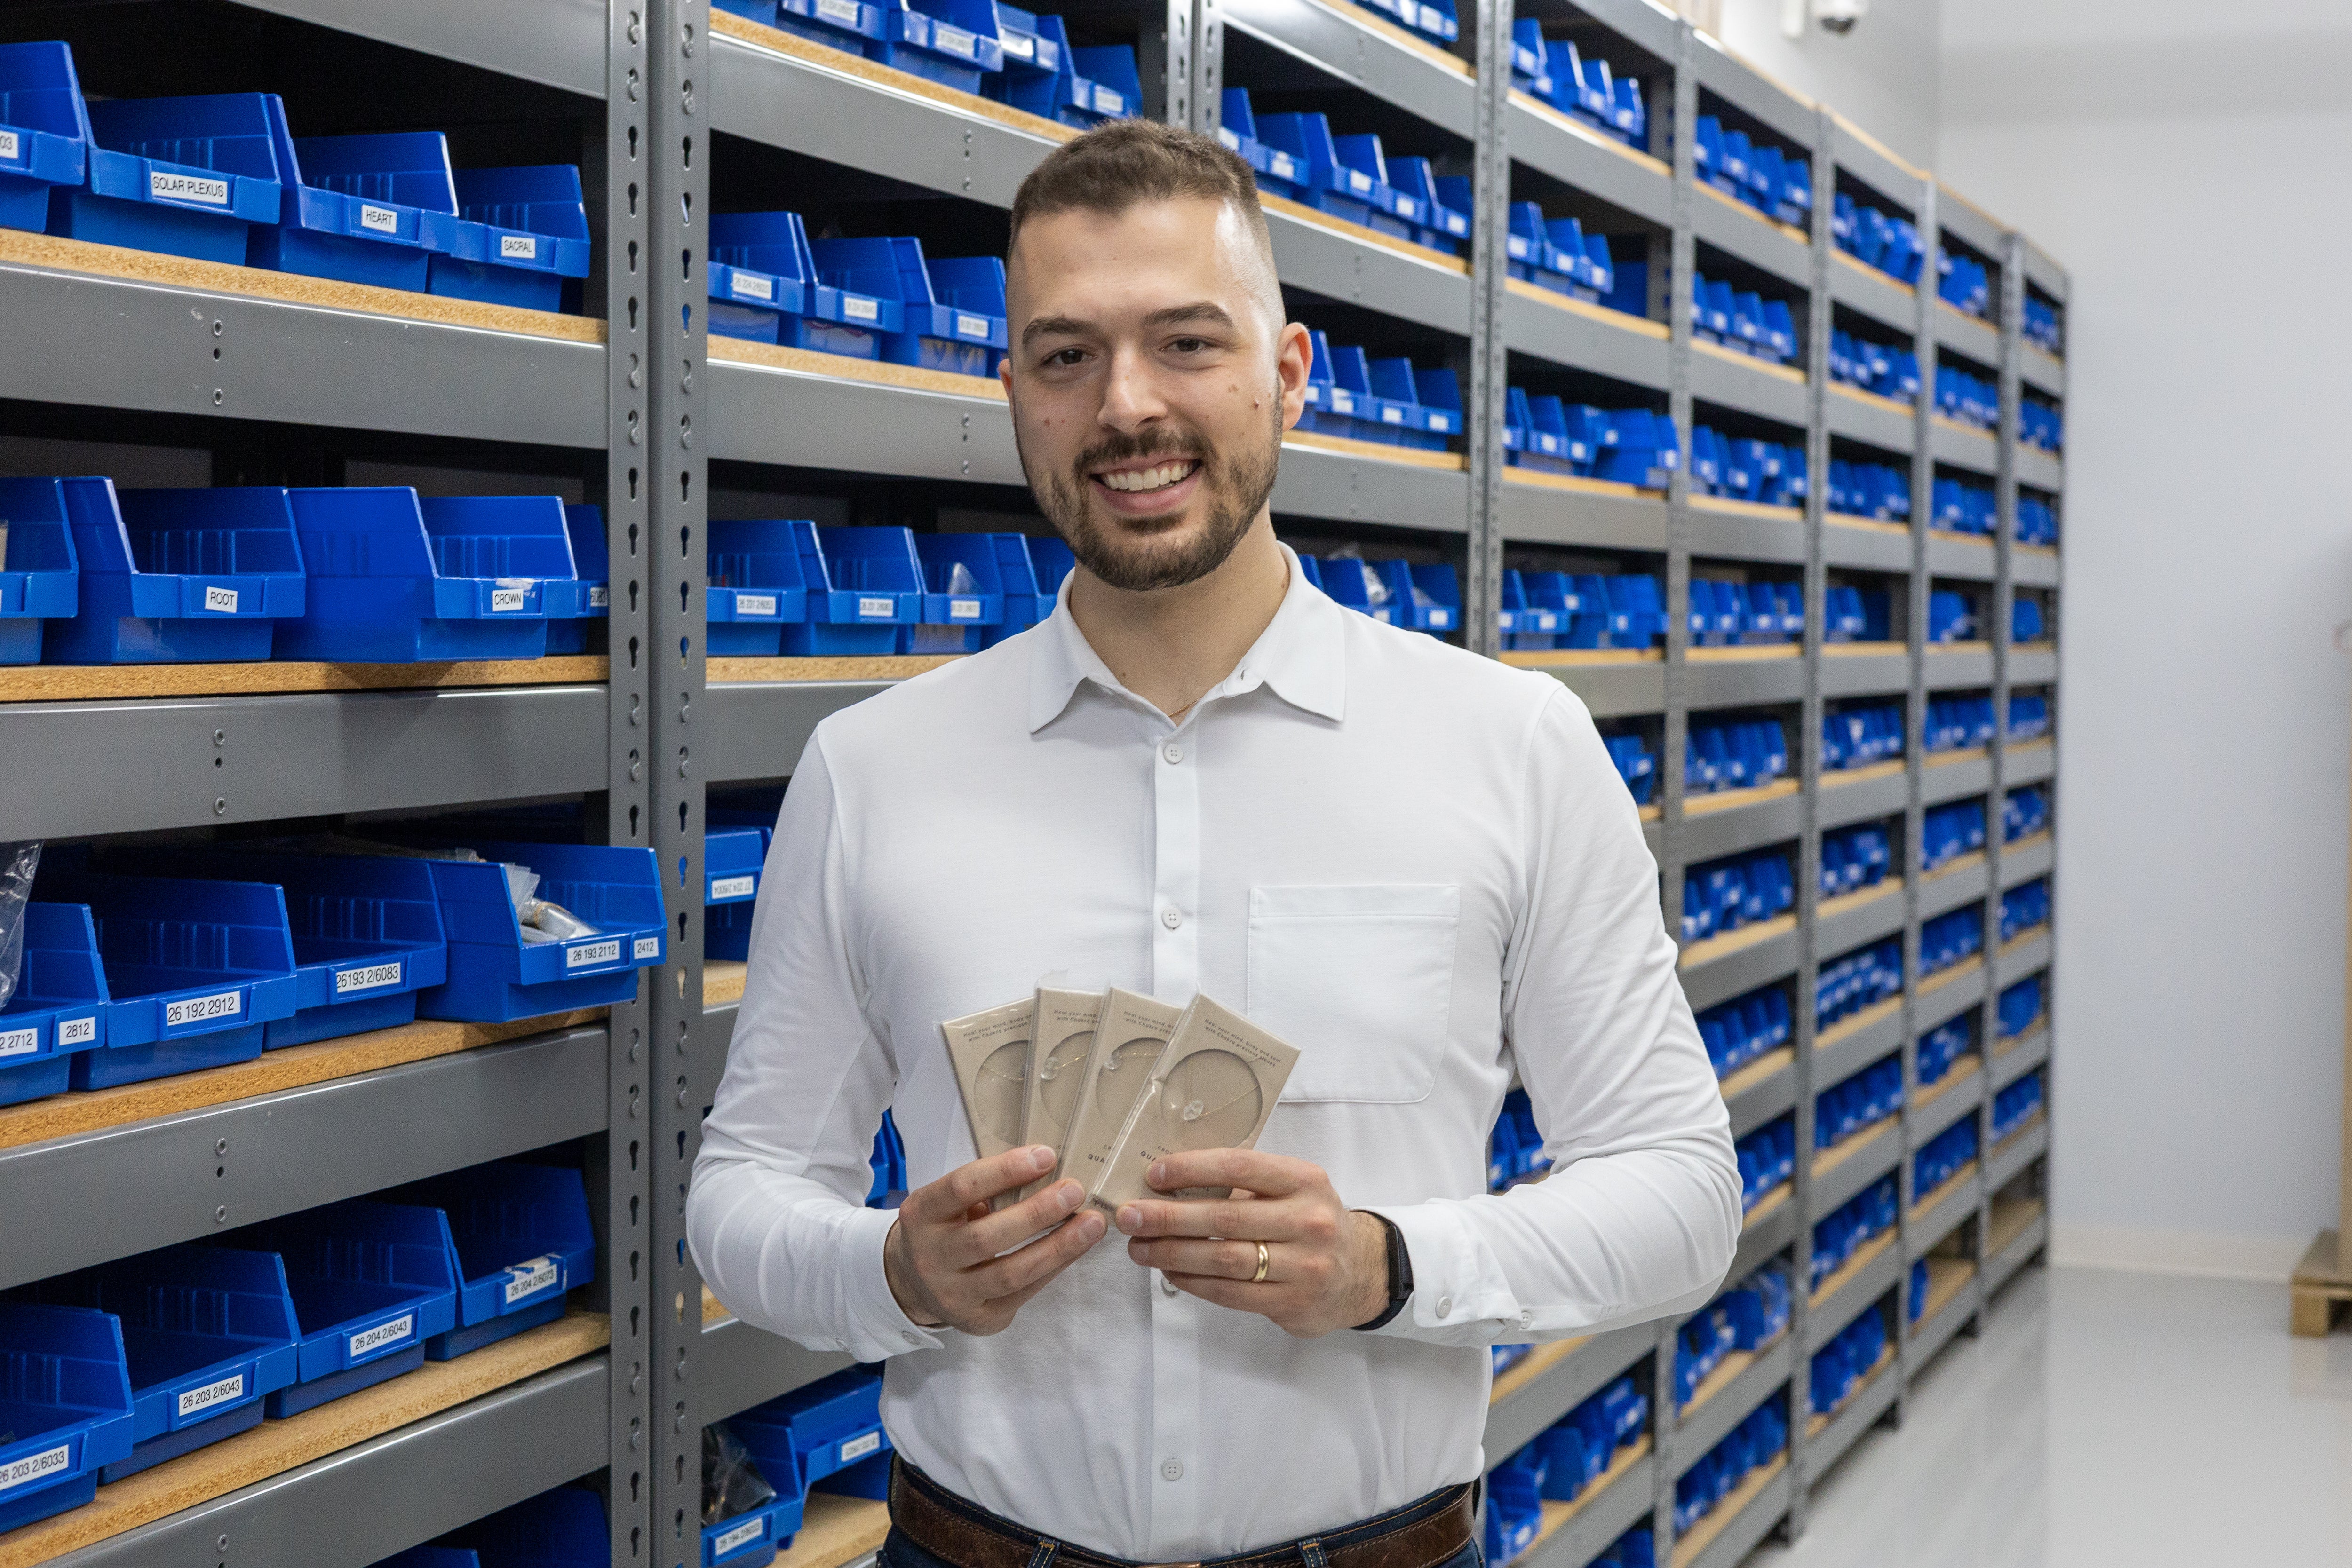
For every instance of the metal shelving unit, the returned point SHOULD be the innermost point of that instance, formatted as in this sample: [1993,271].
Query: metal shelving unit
[665,91]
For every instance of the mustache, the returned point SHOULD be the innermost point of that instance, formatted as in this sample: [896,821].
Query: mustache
[1133,448]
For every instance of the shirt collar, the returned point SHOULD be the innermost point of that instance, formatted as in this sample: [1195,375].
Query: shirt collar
[1301,654]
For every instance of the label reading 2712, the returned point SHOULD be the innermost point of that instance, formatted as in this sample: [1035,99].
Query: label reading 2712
[203,1010]
[19,1042]
[383,1334]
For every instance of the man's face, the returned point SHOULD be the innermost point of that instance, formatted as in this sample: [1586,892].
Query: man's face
[1150,382]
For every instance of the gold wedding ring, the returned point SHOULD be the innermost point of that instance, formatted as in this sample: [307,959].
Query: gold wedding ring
[1259,1278]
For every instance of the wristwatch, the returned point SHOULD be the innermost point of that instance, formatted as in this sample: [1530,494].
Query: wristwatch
[1400,1274]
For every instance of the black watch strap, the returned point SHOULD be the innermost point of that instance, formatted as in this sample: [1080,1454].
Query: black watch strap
[1400,1274]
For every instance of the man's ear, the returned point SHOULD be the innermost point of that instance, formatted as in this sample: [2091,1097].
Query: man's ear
[1294,356]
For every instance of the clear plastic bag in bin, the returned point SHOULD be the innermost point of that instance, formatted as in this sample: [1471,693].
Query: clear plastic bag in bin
[731,1483]
[19,862]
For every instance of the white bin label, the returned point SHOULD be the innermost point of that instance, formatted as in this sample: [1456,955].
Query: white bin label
[648,947]
[1359,181]
[952,40]
[1018,47]
[886,608]
[165,187]
[383,1334]
[858,308]
[212,1394]
[589,953]
[1441,422]
[9,144]
[1432,20]
[1441,619]
[1392,416]
[200,1009]
[734,887]
[518,248]
[963,609]
[741,1535]
[366,978]
[529,1278]
[1109,101]
[600,597]
[379,220]
[842,11]
[754,285]
[33,1466]
[858,1448]
[1281,165]
[1342,401]
[20,1042]
[1231,139]
[221,600]
[78,1031]
[505,600]
[755,604]
[974,326]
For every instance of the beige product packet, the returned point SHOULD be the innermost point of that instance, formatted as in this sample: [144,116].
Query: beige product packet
[1132,1033]
[1062,1042]
[1213,1089]
[990,1053]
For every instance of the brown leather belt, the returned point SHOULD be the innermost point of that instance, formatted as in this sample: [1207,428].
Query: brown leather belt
[1419,1535]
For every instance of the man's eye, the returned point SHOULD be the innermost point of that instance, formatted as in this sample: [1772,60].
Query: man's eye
[1189,345]
[1067,357]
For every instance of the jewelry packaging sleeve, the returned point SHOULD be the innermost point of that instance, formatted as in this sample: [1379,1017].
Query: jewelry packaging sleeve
[1213,1088]
[1130,1039]
[990,1053]
[1062,1042]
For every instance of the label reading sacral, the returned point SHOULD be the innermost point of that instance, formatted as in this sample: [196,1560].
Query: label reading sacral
[221,601]
[212,1394]
[505,600]
[529,1278]
[383,1334]
[858,308]
[755,604]
[741,1535]
[379,220]
[647,947]
[754,285]
[33,1466]
[200,1009]
[518,248]
[588,953]
[972,326]
[164,187]
[78,1031]
[858,1448]
[366,978]
[733,887]
[9,143]
[19,1042]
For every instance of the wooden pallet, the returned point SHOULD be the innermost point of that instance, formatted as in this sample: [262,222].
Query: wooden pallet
[2321,1296]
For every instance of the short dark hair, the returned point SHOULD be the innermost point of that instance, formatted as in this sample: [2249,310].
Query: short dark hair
[1123,162]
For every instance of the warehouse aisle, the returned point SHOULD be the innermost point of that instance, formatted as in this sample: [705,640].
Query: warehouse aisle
[2106,1419]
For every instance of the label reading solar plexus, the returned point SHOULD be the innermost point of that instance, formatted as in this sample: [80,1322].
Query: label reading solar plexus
[164,187]
[203,1010]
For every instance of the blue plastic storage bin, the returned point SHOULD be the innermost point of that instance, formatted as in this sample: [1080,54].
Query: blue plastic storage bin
[757,586]
[864,584]
[1052,560]
[765,289]
[592,559]
[194,971]
[395,578]
[186,176]
[951,42]
[64,1407]
[60,1006]
[361,209]
[733,859]
[920,329]
[208,1333]
[564,1528]
[40,577]
[371,1282]
[44,130]
[963,593]
[1026,602]
[521,233]
[176,576]
[847,25]
[752,1538]
[523,1239]
[829,1432]
[495,975]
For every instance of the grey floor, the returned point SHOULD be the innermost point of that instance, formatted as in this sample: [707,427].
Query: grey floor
[2105,1418]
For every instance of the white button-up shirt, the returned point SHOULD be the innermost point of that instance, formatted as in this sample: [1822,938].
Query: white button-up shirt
[1417,866]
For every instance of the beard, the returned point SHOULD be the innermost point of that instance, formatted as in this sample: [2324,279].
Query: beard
[1159,552]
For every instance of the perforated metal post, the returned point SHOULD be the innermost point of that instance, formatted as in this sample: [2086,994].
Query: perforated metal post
[1482,578]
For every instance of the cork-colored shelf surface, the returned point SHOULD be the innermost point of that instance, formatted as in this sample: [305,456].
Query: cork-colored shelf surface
[1743,654]
[1536,1362]
[744,30]
[1304,214]
[1378,452]
[879,668]
[276,1447]
[1714,948]
[1412,42]
[20,248]
[1556,1516]
[1761,367]
[2026,1036]
[1867,525]
[1561,658]
[1956,865]
[2047,552]
[2030,841]
[1586,134]
[1823,1418]
[1790,231]
[1855,1023]
[713,1309]
[70,1114]
[1578,485]
[1864,268]
[722,981]
[2022,747]
[1765,1205]
[1833,777]
[114,683]
[1640,326]
[1701,1535]
[1733,507]
[1945,977]
[1726,1373]
[1962,1068]
[881,372]
[1886,887]
[2018,942]
[1864,1254]
[1954,535]
[1961,427]
[1959,754]
[835,1530]
[1853,1144]
[2018,1133]
[1733,799]
[1950,1185]
[1863,650]
[2044,646]
[1653,813]
[1767,1066]
[1959,647]
[1946,1277]
[1871,399]
[2011,1215]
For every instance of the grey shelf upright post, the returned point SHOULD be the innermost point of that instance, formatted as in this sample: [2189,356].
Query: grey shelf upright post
[1482,584]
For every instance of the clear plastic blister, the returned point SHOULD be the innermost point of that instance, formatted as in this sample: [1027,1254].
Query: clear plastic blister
[19,862]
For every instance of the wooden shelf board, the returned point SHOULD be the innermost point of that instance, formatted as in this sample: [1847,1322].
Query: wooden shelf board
[1965,647]
[116,683]
[1845,1148]
[1536,1362]
[1961,427]
[1633,155]
[2047,551]
[1718,1519]
[2025,1036]
[744,30]
[1578,485]
[1652,813]
[1743,654]
[1767,1066]
[2030,934]
[1855,1023]
[1761,367]
[1854,1266]
[1954,867]
[1640,326]
[1945,977]
[1952,1184]
[834,1530]
[1865,649]
[722,981]
[1872,399]
[1959,754]
[1867,525]
[1844,903]
[90,1111]
[1791,232]
[1960,1070]
[1301,213]
[1727,1372]
[1833,777]
[2009,1218]
[1867,270]
[2016,1133]
[2017,747]
[1566,658]
[1734,799]
[1765,1205]
[875,667]
[809,362]
[1377,451]
[713,1309]
[1730,507]
[1557,1515]
[1714,947]
[21,249]
[276,1447]
[1946,1277]
[1954,535]
[2030,841]
[1821,1419]
[2045,646]
[1413,42]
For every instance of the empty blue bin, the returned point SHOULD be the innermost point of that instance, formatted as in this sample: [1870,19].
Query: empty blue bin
[44,130]
[177,576]
[592,559]
[193,971]
[829,1432]
[1051,557]
[361,209]
[732,858]
[523,1239]
[40,578]
[186,176]
[756,586]
[864,584]
[65,1407]
[60,1005]
[845,24]
[495,975]
[930,333]
[765,289]
[1117,84]
[371,1282]
[522,232]
[1026,601]
[967,311]
[963,593]
[395,578]
[208,1333]
[951,42]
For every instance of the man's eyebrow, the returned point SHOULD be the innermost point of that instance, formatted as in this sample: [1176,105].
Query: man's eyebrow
[1199,310]
[1055,327]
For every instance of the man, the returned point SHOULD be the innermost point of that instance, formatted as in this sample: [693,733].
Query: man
[1417,866]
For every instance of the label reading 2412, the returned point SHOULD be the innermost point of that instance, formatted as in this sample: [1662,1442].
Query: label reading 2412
[201,1010]
[588,953]
[383,1334]
[647,948]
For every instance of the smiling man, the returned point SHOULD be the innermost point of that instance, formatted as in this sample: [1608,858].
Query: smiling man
[1417,866]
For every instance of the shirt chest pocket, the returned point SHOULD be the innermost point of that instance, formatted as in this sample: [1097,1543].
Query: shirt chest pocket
[1361,979]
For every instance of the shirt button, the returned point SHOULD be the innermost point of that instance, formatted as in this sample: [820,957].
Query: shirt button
[1171,1469]
[1171,918]
[1174,752]
[1444,1305]
[1527,1319]
[1167,1286]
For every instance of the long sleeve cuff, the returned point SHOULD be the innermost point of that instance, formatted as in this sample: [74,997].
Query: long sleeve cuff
[879,1326]
[1459,1294]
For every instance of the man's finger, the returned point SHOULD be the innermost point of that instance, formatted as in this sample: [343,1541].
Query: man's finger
[1008,1228]
[1267,1176]
[1041,1260]
[1238,1294]
[1217,1259]
[947,1198]
[1242,1218]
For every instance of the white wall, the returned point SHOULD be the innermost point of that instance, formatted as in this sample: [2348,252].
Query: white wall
[1881,75]
[2186,162]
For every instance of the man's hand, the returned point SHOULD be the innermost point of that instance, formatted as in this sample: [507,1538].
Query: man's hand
[940,1257]
[1326,1265]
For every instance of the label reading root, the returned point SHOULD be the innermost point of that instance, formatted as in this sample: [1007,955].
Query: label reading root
[221,600]
[201,1009]
[755,604]
[754,285]
[733,887]
[858,308]
[974,326]
[529,1278]
[165,187]
[78,1031]
[858,1448]
[379,220]
[506,600]
[741,1535]
[963,609]
[212,1394]
[33,1466]
[648,947]
[518,248]
[366,978]
[20,1041]
[588,953]
[885,608]
[383,1334]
